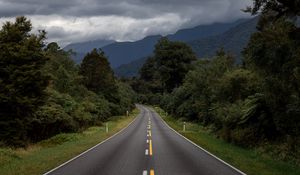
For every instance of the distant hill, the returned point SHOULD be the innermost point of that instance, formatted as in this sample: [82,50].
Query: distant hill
[203,31]
[125,52]
[131,69]
[233,40]
[83,48]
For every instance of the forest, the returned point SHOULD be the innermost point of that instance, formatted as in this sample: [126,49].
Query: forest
[44,93]
[254,104]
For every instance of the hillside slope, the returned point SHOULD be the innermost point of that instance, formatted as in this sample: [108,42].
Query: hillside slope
[84,47]
[125,52]
[233,40]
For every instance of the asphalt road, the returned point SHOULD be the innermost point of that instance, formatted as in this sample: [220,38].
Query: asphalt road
[146,147]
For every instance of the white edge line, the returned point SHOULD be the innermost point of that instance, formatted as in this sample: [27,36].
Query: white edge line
[145,172]
[65,163]
[239,171]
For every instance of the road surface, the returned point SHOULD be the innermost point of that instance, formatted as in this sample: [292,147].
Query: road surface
[146,147]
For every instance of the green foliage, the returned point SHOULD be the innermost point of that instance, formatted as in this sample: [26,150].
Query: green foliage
[252,104]
[97,74]
[219,94]
[274,54]
[238,84]
[272,10]
[167,68]
[59,139]
[127,96]
[22,82]
[173,60]
[43,92]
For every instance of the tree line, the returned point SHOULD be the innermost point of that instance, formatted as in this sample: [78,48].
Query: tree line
[253,104]
[43,92]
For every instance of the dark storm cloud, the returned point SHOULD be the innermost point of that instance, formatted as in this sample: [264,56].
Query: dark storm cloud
[131,8]
[78,20]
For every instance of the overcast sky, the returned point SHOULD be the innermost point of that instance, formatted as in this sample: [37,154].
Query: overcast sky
[129,20]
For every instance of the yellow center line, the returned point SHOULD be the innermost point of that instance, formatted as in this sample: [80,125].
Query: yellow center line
[149,132]
[151,172]
[150,147]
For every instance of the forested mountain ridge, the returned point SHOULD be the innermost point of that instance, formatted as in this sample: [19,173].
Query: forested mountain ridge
[234,40]
[203,31]
[125,52]
[82,48]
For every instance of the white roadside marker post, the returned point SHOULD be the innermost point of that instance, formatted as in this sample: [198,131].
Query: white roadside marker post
[183,126]
[106,128]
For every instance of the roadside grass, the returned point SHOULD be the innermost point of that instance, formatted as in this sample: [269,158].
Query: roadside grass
[249,161]
[45,155]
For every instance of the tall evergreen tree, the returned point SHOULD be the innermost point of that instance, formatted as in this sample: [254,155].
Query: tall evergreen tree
[173,61]
[97,73]
[272,10]
[22,82]
[274,52]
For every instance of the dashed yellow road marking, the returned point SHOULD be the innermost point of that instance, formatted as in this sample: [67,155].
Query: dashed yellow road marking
[150,148]
[149,133]
[151,172]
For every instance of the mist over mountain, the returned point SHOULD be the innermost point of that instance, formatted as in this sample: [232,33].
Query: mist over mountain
[83,47]
[127,57]
[203,31]
[120,53]
[125,52]
[233,41]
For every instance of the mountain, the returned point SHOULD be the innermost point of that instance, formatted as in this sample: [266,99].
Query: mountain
[125,52]
[131,69]
[233,40]
[83,48]
[203,31]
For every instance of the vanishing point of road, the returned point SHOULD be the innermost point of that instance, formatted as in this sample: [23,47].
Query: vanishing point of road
[146,147]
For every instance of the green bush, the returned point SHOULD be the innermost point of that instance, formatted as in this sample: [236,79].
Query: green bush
[59,139]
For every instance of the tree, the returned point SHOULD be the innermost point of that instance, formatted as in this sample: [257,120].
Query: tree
[278,7]
[274,54]
[22,82]
[173,61]
[98,75]
[272,10]
[170,63]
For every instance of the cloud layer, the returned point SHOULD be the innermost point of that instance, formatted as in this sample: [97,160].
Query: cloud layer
[81,20]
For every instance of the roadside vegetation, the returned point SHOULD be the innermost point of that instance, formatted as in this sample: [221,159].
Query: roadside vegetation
[254,105]
[41,157]
[250,161]
[44,93]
